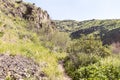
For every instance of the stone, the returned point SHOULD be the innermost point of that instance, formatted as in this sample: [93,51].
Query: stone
[19,67]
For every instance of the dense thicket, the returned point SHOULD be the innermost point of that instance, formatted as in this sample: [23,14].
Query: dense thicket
[88,59]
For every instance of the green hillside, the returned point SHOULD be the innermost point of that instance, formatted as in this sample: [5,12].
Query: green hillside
[28,31]
[34,47]
[72,25]
[107,30]
[93,53]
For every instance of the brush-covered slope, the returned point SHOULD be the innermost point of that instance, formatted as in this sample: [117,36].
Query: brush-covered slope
[23,30]
[108,30]
[88,58]
[20,18]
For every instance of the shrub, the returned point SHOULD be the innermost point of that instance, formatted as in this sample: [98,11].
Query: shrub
[99,71]
[89,45]
[84,59]
[56,41]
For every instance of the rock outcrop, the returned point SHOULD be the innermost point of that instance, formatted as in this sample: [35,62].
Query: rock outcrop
[27,11]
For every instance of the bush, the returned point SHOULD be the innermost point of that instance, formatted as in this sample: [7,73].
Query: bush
[84,60]
[99,71]
[105,69]
[56,41]
[89,45]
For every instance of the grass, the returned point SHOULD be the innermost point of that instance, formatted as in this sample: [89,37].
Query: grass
[36,52]
[111,60]
[16,39]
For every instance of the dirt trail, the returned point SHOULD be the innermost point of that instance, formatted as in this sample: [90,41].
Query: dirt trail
[62,69]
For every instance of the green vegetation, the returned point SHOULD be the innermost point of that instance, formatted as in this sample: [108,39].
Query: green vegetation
[88,59]
[28,31]
[16,38]
[107,30]
[89,45]
[72,25]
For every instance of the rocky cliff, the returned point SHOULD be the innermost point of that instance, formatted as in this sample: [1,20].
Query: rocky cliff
[27,11]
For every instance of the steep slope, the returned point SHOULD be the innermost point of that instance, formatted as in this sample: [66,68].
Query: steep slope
[26,11]
[23,15]
[23,29]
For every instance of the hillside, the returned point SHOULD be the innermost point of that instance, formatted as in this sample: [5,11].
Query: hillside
[35,47]
[108,30]
[27,43]
[94,51]
[73,25]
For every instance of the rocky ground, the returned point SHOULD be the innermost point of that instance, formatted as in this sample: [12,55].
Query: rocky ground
[19,68]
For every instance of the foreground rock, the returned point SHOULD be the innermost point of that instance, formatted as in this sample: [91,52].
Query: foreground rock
[18,68]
